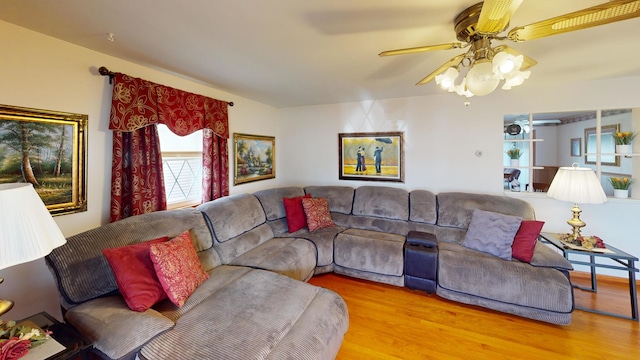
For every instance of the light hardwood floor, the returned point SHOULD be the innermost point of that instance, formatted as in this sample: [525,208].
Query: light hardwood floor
[389,322]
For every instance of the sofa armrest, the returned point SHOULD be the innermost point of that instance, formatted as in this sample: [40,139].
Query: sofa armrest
[115,329]
[544,256]
[422,238]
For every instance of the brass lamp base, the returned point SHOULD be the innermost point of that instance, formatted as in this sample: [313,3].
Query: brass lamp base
[5,305]
[576,223]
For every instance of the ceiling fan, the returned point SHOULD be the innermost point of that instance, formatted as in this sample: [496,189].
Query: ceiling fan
[480,24]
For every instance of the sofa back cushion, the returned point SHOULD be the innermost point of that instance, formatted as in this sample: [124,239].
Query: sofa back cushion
[381,202]
[82,271]
[238,224]
[340,198]
[380,208]
[271,200]
[455,210]
[423,207]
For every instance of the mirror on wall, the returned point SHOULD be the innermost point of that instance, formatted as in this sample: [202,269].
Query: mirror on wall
[547,141]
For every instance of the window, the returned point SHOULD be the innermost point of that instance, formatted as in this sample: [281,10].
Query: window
[550,140]
[182,178]
[182,167]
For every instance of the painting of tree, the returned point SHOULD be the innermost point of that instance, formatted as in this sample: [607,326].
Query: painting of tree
[254,158]
[45,149]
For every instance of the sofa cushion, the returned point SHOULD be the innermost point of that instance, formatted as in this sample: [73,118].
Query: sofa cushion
[260,315]
[178,267]
[525,240]
[381,202]
[135,275]
[455,208]
[469,272]
[296,218]
[370,251]
[292,257]
[317,213]
[107,319]
[423,207]
[340,198]
[233,215]
[271,200]
[492,233]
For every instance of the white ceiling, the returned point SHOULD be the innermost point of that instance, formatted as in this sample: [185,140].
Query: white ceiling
[303,52]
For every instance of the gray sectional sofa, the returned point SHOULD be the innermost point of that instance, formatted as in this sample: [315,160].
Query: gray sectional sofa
[256,304]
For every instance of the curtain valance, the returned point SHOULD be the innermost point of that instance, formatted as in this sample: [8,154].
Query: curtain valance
[138,103]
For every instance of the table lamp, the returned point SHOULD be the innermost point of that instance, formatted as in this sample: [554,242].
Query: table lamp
[579,186]
[27,230]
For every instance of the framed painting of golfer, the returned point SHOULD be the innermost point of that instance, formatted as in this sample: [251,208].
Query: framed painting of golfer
[377,156]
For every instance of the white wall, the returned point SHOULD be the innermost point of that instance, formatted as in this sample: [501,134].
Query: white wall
[41,72]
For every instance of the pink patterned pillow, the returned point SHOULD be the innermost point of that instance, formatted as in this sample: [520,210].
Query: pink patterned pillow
[178,267]
[317,212]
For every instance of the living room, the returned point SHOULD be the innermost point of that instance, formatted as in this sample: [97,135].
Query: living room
[448,146]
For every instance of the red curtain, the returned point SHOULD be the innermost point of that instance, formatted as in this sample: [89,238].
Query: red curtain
[137,106]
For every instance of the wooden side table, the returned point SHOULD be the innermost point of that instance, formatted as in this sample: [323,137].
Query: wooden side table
[626,260]
[77,346]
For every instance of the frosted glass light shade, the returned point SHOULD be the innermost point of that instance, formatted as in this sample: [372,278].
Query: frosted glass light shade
[577,185]
[27,230]
[481,79]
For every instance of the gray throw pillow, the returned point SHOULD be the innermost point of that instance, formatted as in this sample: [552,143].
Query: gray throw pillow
[492,233]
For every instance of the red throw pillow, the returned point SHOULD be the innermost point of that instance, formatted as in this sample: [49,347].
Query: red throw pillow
[135,275]
[524,242]
[178,267]
[317,213]
[296,219]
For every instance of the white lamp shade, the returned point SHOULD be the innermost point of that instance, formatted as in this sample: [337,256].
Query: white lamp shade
[577,185]
[480,79]
[27,230]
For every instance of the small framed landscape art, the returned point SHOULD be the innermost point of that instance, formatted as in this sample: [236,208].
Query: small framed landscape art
[47,149]
[377,156]
[254,158]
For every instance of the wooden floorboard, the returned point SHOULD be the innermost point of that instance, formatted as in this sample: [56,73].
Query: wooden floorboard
[389,322]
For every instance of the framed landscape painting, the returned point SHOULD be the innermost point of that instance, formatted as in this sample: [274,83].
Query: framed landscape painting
[254,158]
[47,149]
[377,156]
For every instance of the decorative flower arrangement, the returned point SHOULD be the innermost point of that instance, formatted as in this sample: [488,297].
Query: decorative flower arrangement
[587,242]
[620,183]
[16,340]
[624,137]
[514,153]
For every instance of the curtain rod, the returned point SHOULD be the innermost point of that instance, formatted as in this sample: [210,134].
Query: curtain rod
[105,72]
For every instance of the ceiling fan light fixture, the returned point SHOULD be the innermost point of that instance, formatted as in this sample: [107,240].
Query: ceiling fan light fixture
[481,79]
[515,79]
[447,79]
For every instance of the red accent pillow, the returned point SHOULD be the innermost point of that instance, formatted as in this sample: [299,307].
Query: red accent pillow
[135,275]
[317,213]
[178,267]
[296,218]
[524,242]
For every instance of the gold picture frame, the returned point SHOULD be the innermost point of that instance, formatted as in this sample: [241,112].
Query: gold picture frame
[255,158]
[48,149]
[377,156]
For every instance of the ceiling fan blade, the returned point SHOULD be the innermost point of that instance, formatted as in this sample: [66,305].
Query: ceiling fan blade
[612,11]
[453,62]
[526,63]
[455,45]
[495,15]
